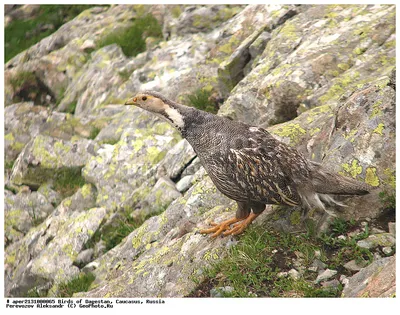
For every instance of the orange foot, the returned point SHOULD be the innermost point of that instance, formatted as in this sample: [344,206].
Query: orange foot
[237,228]
[241,226]
[218,228]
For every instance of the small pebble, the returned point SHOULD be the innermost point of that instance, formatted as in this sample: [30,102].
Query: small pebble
[282,274]
[326,275]
[387,250]
[342,237]
[218,292]
[294,274]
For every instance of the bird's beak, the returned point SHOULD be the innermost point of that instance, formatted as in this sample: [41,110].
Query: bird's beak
[131,101]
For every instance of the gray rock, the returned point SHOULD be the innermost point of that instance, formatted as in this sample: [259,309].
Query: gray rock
[45,158]
[332,284]
[282,274]
[22,212]
[375,240]
[178,158]
[219,292]
[392,228]
[53,245]
[195,19]
[47,190]
[376,280]
[231,71]
[387,250]
[258,46]
[118,171]
[318,264]
[184,183]
[84,257]
[353,266]
[192,168]
[325,275]
[160,196]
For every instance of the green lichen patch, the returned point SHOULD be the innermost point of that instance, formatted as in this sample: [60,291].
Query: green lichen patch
[353,169]
[371,177]
[390,177]
[291,130]
[379,129]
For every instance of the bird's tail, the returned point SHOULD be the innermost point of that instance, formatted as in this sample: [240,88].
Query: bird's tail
[327,182]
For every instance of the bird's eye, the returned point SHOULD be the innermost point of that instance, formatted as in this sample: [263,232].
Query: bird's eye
[144,98]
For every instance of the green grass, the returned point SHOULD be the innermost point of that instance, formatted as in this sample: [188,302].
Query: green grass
[251,267]
[388,200]
[94,132]
[132,39]
[21,78]
[22,34]
[79,284]
[71,108]
[200,99]
[68,181]
[8,165]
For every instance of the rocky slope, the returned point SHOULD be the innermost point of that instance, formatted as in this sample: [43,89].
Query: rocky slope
[318,77]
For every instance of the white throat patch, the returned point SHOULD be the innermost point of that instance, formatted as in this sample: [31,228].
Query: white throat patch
[174,115]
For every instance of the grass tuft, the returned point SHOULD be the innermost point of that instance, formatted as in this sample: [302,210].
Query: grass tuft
[200,99]
[22,34]
[79,284]
[252,266]
[68,181]
[132,40]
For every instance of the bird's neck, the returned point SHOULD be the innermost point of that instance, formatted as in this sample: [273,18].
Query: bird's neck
[181,116]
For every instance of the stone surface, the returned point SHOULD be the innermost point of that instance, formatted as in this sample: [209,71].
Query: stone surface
[352,266]
[184,183]
[325,275]
[44,158]
[84,257]
[22,212]
[45,255]
[392,228]
[375,240]
[376,280]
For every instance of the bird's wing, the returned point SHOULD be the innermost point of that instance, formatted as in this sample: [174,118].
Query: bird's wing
[267,169]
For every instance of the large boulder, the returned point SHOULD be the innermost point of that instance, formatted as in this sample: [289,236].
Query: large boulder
[45,158]
[376,280]
[45,255]
[314,57]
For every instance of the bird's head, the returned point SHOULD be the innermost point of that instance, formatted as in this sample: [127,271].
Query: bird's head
[148,102]
[158,104]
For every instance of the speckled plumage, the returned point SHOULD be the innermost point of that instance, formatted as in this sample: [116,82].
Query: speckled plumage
[247,164]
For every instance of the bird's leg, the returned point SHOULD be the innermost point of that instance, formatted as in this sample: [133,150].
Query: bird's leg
[218,228]
[242,213]
[241,226]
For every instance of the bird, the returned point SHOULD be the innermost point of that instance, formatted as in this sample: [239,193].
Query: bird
[249,165]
